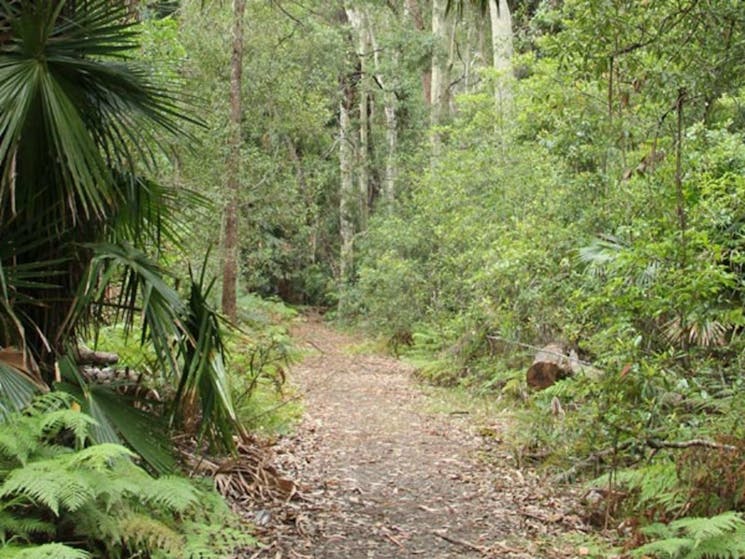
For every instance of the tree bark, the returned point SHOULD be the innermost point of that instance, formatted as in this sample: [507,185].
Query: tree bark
[412,7]
[360,23]
[230,233]
[439,71]
[501,37]
[390,103]
[311,211]
[346,192]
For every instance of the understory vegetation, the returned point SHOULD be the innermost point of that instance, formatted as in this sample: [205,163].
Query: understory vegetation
[600,209]
[469,181]
[115,365]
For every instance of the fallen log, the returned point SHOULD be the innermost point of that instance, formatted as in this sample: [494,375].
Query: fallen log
[551,363]
[86,356]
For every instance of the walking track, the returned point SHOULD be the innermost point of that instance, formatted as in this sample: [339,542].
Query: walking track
[382,476]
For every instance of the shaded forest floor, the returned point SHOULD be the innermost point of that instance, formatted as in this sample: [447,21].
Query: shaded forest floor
[382,475]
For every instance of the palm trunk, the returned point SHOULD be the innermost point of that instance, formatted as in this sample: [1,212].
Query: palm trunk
[230,233]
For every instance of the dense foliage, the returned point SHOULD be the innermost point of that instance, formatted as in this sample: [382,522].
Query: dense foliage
[577,179]
[600,209]
[56,487]
[585,192]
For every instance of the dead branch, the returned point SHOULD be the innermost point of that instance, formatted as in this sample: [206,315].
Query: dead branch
[655,444]
[658,444]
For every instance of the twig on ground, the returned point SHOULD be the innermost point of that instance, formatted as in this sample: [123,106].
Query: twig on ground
[464,543]
[538,517]
[394,540]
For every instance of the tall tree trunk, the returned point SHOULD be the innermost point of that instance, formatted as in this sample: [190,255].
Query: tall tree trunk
[347,197]
[230,233]
[439,70]
[390,103]
[501,40]
[412,7]
[311,209]
[359,20]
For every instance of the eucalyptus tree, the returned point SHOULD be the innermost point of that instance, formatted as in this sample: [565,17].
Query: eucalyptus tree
[230,225]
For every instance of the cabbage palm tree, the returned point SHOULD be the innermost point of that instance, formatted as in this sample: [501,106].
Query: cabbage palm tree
[80,123]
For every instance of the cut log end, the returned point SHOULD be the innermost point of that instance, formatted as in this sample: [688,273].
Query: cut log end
[550,365]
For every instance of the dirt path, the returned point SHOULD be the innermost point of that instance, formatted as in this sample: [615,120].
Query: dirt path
[383,477]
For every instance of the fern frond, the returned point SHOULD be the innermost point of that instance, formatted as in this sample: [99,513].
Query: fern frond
[79,423]
[22,527]
[658,530]
[146,533]
[215,541]
[25,434]
[17,441]
[702,528]
[716,537]
[655,485]
[174,493]
[731,546]
[47,551]
[49,402]
[124,481]
[669,547]
[100,457]
[48,482]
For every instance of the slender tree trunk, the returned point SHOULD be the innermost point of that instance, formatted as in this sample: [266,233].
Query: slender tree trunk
[311,210]
[347,197]
[468,60]
[501,39]
[391,122]
[679,195]
[447,97]
[412,7]
[360,22]
[230,233]
[439,71]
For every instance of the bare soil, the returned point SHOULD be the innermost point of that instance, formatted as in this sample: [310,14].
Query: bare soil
[380,475]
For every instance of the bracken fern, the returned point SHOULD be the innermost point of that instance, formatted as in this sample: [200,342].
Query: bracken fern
[716,537]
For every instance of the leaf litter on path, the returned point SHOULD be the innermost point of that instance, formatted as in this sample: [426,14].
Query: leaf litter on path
[375,476]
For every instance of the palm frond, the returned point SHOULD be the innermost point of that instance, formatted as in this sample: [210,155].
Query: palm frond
[17,389]
[204,376]
[77,120]
[117,420]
